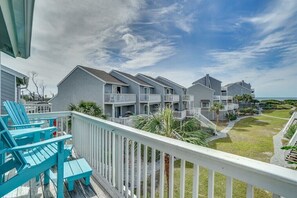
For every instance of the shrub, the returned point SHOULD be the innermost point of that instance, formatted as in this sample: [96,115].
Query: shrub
[89,108]
[291,131]
[231,116]
[191,125]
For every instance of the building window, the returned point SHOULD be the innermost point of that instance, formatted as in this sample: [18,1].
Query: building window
[205,104]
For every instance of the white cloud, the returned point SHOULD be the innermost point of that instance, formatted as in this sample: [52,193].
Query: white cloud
[93,33]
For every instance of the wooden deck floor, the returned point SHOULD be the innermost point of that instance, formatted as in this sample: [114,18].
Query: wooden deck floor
[37,190]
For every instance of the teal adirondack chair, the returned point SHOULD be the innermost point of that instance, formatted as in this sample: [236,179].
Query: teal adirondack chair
[19,117]
[30,160]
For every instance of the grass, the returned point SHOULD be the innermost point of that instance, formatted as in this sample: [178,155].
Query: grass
[250,137]
[278,113]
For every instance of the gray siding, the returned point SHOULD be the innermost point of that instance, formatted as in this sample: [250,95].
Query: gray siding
[158,89]
[176,90]
[133,87]
[200,92]
[237,89]
[8,88]
[78,86]
[211,83]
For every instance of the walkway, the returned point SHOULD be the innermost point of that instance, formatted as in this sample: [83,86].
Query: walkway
[223,133]
[279,155]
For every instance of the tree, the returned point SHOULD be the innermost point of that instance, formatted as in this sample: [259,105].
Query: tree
[89,108]
[216,107]
[39,87]
[163,123]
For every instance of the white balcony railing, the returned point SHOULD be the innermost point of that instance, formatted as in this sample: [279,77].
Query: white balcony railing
[124,159]
[220,98]
[188,98]
[150,98]
[119,98]
[128,121]
[38,108]
[230,106]
[180,114]
[171,98]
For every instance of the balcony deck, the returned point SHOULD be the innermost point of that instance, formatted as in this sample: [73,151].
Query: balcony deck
[34,189]
[128,161]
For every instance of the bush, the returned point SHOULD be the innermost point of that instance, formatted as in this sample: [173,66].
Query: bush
[291,131]
[231,116]
[191,125]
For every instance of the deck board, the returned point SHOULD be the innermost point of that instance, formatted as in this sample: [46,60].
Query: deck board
[38,190]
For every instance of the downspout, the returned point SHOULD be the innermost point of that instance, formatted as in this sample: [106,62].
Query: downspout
[19,88]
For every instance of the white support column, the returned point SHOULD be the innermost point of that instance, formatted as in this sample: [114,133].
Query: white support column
[148,108]
[113,112]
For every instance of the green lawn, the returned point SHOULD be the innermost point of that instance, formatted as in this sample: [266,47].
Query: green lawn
[278,113]
[250,137]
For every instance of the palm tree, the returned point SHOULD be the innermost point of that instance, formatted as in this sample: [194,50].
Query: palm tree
[89,108]
[216,107]
[163,123]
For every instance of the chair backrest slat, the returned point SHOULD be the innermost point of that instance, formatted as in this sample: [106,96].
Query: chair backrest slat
[11,111]
[9,142]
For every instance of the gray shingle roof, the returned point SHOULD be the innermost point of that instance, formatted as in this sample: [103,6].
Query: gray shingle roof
[157,81]
[103,75]
[170,81]
[137,80]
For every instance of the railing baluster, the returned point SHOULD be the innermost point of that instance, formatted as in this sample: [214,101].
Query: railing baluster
[126,167]
[171,176]
[122,165]
[153,172]
[138,190]
[132,168]
[97,148]
[229,184]
[113,160]
[145,172]
[196,181]
[250,191]
[210,183]
[102,152]
[162,155]
[182,178]
[105,153]
[109,156]
[100,149]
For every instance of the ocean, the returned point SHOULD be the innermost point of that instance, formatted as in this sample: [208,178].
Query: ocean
[276,98]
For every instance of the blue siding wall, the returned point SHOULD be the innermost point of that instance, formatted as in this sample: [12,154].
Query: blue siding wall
[7,88]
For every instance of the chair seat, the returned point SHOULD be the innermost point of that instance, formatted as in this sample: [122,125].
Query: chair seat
[38,155]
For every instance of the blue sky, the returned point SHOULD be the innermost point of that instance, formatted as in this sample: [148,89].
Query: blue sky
[249,40]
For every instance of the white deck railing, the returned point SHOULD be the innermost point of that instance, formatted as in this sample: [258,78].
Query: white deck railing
[223,98]
[230,106]
[119,98]
[120,157]
[150,98]
[171,98]
[188,97]
[180,114]
[38,108]
[293,140]
[128,121]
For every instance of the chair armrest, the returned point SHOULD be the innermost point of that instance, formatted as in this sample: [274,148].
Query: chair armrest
[25,132]
[43,118]
[27,125]
[38,144]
